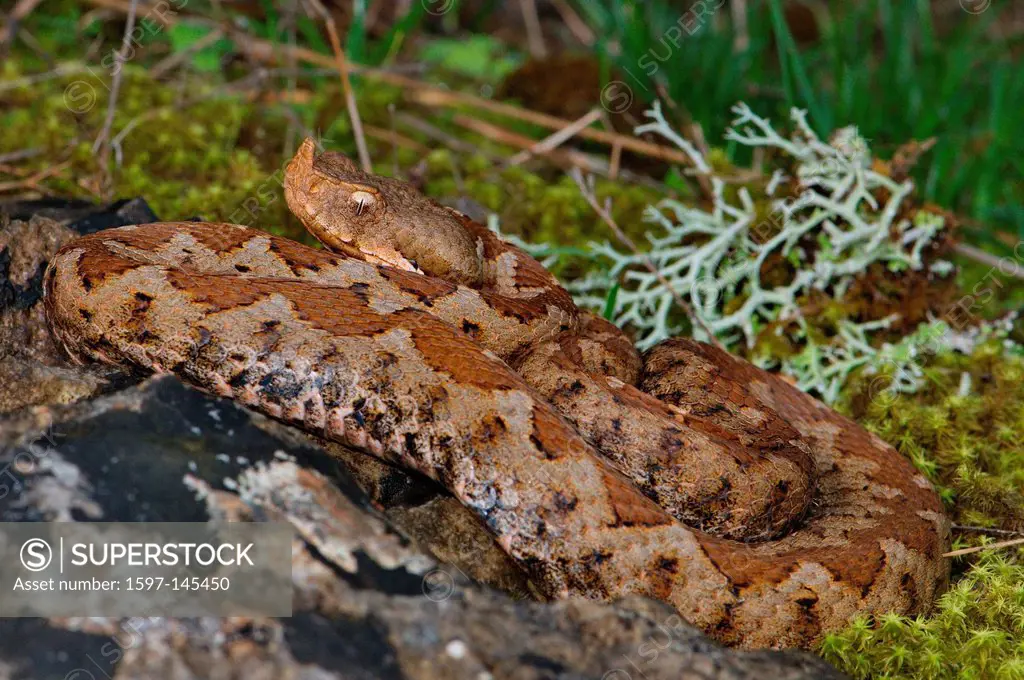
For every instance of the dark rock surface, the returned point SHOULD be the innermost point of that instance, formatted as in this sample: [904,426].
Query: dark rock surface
[371,597]
[32,371]
[82,217]
[438,522]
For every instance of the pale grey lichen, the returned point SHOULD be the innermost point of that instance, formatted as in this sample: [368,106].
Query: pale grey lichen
[824,368]
[837,217]
[900,366]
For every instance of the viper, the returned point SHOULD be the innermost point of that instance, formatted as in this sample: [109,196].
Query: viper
[420,337]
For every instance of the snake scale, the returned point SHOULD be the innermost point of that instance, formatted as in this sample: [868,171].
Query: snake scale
[421,338]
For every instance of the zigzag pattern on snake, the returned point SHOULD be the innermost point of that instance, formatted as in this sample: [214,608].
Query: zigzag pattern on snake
[687,475]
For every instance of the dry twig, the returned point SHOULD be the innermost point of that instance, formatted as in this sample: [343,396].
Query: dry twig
[290,21]
[557,139]
[102,144]
[534,34]
[741,41]
[395,138]
[346,85]
[33,181]
[434,132]
[19,155]
[433,96]
[60,71]
[907,156]
[979,548]
[987,530]
[564,158]
[574,23]
[1006,265]
[15,17]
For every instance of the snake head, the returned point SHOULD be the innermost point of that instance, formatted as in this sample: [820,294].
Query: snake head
[377,219]
[325,193]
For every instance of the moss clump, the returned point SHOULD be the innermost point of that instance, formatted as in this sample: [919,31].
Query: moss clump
[974,632]
[962,429]
[222,158]
[538,208]
[183,159]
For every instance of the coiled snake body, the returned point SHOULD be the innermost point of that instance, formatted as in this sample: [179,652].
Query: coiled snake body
[423,339]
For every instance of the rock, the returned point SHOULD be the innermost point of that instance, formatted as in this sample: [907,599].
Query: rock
[455,536]
[368,601]
[25,250]
[437,521]
[32,370]
[58,209]
[24,383]
[118,214]
[82,217]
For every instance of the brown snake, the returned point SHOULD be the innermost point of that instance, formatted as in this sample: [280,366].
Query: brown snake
[690,476]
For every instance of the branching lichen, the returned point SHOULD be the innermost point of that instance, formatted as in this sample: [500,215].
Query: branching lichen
[962,426]
[745,265]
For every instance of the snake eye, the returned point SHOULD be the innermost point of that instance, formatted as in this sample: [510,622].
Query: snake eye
[364,201]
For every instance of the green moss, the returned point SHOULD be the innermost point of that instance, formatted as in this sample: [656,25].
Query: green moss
[221,158]
[988,291]
[183,159]
[968,442]
[963,431]
[539,208]
[974,632]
